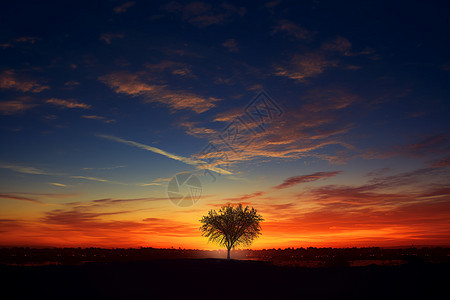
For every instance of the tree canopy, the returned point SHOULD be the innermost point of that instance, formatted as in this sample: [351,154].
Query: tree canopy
[231,226]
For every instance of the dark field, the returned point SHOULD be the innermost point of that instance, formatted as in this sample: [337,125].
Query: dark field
[217,278]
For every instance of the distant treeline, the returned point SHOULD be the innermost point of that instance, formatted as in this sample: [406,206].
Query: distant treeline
[328,256]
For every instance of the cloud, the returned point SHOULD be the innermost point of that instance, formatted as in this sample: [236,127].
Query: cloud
[204,14]
[71,83]
[442,162]
[20,198]
[133,85]
[6,45]
[23,39]
[100,118]
[96,179]
[67,103]
[198,163]
[120,9]
[429,175]
[231,45]
[313,63]
[378,172]
[246,196]
[339,44]
[23,169]
[10,80]
[108,37]
[175,68]
[304,66]
[149,184]
[272,4]
[291,181]
[58,184]
[426,146]
[321,122]
[199,132]
[15,106]
[434,143]
[26,39]
[112,201]
[83,226]
[104,168]
[292,29]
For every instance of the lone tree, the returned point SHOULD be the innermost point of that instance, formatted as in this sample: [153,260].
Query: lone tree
[231,226]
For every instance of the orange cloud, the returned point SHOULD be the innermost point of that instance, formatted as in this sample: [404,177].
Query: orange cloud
[133,85]
[313,63]
[292,29]
[320,122]
[67,103]
[175,68]
[291,181]
[15,106]
[246,196]
[100,118]
[10,80]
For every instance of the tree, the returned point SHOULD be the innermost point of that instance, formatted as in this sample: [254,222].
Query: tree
[231,226]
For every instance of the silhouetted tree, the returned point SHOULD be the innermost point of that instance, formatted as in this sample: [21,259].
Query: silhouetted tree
[231,226]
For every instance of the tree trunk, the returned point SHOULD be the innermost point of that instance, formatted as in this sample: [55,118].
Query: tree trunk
[228,256]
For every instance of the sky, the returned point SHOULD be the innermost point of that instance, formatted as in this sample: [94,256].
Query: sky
[328,117]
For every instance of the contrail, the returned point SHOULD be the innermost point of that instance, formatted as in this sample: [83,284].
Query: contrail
[198,163]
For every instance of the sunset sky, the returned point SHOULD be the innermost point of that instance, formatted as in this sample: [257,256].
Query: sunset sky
[103,102]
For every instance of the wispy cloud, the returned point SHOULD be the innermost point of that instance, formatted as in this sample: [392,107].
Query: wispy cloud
[231,45]
[15,106]
[198,163]
[378,172]
[149,184]
[300,133]
[204,14]
[22,39]
[71,83]
[197,131]
[292,29]
[291,181]
[108,37]
[313,63]
[425,146]
[100,118]
[20,198]
[441,162]
[120,9]
[67,103]
[95,179]
[9,79]
[175,68]
[58,184]
[26,39]
[246,197]
[104,168]
[133,85]
[23,169]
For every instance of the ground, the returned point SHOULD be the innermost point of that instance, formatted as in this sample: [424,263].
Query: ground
[217,278]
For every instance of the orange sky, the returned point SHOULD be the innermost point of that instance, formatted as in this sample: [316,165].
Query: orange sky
[296,213]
